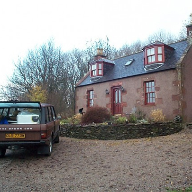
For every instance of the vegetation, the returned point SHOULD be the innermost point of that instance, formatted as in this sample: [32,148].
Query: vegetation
[96,115]
[157,115]
[181,190]
[37,94]
[120,120]
[75,119]
[102,115]
[132,118]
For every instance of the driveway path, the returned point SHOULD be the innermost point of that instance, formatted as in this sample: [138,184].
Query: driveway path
[148,164]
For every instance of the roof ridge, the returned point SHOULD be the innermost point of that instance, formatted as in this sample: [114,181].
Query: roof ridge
[128,55]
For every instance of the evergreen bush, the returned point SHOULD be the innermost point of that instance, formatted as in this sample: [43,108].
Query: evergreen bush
[96,115]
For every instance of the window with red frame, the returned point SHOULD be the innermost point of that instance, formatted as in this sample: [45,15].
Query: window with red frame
[97,69]
[149,92]
[154,54]
[90,97]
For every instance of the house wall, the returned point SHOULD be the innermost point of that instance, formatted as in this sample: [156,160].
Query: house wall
[166,90]
[187,86]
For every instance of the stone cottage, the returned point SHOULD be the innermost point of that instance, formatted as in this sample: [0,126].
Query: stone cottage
[158,77]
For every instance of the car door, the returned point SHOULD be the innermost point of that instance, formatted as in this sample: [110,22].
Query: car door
[56,121]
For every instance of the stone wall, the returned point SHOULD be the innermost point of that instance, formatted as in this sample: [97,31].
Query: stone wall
[120,132]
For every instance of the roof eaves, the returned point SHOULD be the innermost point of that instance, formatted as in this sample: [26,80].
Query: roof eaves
[82,79]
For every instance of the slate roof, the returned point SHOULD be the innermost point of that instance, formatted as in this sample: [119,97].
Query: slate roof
[120,70]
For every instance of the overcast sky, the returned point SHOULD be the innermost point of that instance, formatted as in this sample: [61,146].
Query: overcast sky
[27,24]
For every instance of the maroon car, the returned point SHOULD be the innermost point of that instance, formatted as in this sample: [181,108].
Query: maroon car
[28,125]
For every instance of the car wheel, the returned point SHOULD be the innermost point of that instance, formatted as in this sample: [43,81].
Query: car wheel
[2,152]
[57,138]
[49,147]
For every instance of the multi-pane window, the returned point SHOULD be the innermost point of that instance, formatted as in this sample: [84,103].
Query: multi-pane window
[96,69]
[90,97]
[160,54]
[100,69]
[149,92]
[154,54]
[151,55]
[93,70]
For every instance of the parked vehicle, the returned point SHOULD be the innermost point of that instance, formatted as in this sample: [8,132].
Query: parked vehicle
[28,125]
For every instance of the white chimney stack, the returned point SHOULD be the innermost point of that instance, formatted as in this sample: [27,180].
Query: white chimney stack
[189,30]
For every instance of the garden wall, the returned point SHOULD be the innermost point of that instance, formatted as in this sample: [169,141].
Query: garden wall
[120,132]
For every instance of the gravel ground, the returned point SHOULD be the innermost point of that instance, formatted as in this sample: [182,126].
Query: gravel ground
[149,164]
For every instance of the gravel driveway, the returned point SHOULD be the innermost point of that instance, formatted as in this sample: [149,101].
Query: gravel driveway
[149,164]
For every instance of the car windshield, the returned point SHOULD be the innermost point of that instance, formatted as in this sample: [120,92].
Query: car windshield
[20,115]
[19,104]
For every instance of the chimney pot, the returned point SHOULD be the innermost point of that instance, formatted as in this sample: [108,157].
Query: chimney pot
[99,54]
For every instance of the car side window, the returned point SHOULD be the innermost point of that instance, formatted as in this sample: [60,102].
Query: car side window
[4,111]
[50,114]
[53,113]
[47,114]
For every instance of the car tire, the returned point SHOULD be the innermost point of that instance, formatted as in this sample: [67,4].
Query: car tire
[49,147]
[2,152]
[57,138]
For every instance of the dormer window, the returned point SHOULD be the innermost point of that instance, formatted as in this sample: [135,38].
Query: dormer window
[99,66]
[96,69]
[154,54]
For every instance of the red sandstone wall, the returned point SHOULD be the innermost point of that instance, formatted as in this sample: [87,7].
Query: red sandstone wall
[166,86]
[187,87]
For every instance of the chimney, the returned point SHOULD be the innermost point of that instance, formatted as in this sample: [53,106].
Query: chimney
[189,30]
[99,54]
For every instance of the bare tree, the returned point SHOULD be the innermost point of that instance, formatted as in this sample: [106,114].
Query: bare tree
[109,51]
[127,49]
[54,71]
[42,67]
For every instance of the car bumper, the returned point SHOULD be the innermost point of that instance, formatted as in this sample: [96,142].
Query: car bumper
[6,144]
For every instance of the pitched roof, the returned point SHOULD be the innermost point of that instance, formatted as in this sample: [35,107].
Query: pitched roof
[133,65]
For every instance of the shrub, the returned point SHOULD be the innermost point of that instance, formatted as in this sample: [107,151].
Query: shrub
[120,120]
[132,118]
[137,116]
[157,115]
[96,115]
[140,114]
[76,119]
[64,121]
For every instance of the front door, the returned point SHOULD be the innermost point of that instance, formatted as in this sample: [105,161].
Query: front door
[116,101]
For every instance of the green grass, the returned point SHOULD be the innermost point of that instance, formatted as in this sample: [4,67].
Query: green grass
[181,190]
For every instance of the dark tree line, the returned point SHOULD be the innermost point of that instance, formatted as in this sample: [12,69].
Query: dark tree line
[57,72]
